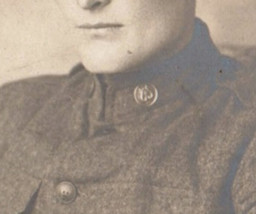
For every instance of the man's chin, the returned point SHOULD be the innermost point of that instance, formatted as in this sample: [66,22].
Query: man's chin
[103,69]
[109,66]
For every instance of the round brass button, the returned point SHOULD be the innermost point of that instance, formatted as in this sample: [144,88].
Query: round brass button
[66,192]
[145,94]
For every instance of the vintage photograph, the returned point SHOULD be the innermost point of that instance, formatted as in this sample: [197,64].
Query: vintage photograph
[128,107]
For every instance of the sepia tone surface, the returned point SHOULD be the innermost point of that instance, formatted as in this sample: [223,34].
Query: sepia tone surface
[36,39]
[146,123]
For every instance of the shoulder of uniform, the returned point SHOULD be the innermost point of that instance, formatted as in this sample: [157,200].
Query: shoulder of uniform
[36,89]
[23,90]
[241,78]
[20,100]
[243,84]
[246,86]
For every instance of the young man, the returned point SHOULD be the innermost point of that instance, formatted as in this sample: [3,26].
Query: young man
[154,121]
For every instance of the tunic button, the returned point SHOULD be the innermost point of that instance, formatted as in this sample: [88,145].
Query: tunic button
[145,94]
[66,192]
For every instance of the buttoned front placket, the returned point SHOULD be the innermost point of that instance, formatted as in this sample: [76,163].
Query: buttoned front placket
[100,109]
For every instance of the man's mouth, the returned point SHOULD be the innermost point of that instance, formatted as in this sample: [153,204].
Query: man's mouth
[100,26]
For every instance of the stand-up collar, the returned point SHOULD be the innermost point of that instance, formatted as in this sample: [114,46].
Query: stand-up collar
[199,52]
[189,75]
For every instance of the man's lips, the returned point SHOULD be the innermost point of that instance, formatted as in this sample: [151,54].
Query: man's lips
[100,26]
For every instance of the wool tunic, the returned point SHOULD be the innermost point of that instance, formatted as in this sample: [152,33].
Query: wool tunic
[174,138]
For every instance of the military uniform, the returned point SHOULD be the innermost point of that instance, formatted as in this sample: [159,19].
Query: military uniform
[174,138]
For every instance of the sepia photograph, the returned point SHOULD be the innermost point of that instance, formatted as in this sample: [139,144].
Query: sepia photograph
[128,107]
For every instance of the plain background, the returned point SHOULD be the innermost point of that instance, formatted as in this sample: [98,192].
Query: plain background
[36,39]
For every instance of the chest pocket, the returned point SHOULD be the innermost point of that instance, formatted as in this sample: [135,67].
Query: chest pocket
[18,190]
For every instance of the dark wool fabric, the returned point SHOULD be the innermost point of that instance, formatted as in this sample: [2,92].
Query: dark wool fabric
[192,152]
